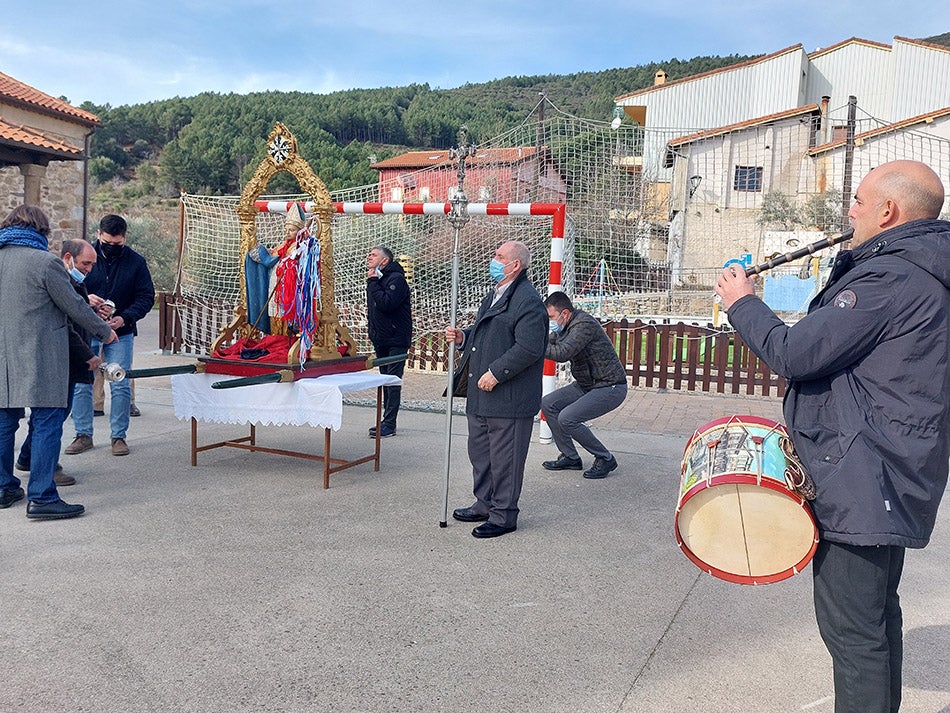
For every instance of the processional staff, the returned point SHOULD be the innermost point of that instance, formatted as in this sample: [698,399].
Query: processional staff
[458,217]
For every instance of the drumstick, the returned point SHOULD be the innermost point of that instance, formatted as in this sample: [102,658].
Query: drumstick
[801,252]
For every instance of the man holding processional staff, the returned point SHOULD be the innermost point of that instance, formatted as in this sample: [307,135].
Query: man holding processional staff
[868,409]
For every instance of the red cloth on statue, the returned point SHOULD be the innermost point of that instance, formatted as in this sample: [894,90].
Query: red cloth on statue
[272,348]
[286,273]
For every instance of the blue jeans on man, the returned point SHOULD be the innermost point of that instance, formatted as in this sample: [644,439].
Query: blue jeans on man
[44,451]
[25,457]
[119,352]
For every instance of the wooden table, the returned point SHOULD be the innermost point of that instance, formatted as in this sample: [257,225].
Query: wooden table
[308,402]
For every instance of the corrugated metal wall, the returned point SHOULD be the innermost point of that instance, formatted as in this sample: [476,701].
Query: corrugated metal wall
[921,79]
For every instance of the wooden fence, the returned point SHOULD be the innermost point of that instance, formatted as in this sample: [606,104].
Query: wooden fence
[677,357]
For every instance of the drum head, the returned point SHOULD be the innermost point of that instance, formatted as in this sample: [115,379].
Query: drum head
[747,534]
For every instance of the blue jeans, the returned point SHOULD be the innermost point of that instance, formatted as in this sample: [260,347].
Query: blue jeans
[121,353]
[24,457]
[47,438]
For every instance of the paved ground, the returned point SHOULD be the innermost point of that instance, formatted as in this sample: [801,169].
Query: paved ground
[241,585]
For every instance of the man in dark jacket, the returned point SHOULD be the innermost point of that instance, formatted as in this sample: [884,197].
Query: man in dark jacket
[78,258]
[389,316]
[869,414]
[501,367]
[599,386]
[120,290]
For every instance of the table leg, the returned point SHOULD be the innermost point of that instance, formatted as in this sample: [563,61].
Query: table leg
[326,458]
[379,419]
[194,441]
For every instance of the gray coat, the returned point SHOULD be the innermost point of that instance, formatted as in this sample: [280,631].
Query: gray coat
[508,338]
[36,297]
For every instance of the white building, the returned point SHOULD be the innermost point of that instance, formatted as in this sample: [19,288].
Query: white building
[891,82]
[771,131]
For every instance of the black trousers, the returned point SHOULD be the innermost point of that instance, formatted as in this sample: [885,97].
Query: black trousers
[859,617]
[392,395]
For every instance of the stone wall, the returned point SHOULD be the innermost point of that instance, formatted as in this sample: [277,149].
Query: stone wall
[61,197]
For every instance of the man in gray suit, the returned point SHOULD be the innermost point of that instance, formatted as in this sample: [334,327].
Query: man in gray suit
[36,299]
[500,372]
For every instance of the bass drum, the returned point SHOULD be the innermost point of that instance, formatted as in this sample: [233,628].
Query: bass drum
[739,517]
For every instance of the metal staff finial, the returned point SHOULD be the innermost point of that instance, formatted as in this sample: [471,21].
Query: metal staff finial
[458,216]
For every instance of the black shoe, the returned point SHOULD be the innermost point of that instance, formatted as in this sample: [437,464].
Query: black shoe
[384,431]
[56,510]
[20,465]
[134,411]
[563,463]
[469,515]
[490,529]
[8,497]
[601,468]
[97,412]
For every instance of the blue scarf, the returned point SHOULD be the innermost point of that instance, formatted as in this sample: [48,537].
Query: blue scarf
[26,237]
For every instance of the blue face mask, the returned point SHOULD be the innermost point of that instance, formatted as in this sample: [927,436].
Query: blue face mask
[497,270]
[553,326]
[77,275]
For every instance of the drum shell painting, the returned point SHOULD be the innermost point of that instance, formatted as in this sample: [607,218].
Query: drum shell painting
[738,517]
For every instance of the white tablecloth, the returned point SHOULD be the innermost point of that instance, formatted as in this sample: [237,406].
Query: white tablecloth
[307,402]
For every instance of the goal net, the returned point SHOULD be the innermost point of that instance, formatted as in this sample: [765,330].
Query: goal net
[652,216]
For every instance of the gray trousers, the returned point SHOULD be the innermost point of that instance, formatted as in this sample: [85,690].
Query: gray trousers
[567,410]
[859,617]
[498,448]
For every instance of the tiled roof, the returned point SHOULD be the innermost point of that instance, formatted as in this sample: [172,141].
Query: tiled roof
[887,128]
[853,40]
[426,159]
[703,75]
[709,133]
[921,43]
[15,91]
[31,138]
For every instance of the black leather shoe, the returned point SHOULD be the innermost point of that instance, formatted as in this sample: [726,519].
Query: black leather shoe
[563,463]
[56,510]
[490,529]
[469,515]
[8,497]
[601,468]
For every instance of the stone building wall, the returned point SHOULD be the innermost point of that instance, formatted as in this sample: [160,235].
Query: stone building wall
[61,198]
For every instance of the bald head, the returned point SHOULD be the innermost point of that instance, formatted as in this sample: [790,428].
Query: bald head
[515,257]
[893,194]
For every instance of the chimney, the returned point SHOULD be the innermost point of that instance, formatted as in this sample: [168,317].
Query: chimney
[826,132]
[659,77]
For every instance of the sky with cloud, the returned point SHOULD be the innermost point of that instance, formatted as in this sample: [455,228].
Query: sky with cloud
[139,51]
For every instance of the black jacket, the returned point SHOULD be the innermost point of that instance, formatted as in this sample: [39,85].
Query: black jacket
[126,281]
[389,313]
[868,406]
[507,338]
[79,346]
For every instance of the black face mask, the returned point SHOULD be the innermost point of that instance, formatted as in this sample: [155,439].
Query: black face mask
[110,250]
